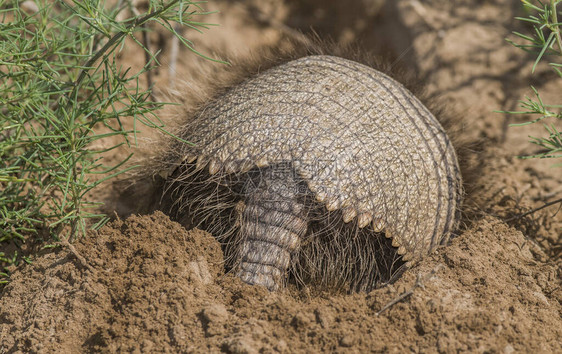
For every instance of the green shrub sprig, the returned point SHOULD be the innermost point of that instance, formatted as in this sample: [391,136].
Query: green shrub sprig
[546,40]
[60,81]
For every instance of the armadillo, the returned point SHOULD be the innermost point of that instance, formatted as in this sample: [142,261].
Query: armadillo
[322,170]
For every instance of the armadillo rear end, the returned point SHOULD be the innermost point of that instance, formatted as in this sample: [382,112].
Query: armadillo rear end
[373,161]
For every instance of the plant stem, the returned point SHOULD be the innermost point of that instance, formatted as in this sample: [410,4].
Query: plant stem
[556,30]
[138,22]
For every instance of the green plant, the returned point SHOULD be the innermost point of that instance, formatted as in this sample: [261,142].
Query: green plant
[545,41]
[62,90]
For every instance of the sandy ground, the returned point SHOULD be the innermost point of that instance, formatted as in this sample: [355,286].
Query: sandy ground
[145,284]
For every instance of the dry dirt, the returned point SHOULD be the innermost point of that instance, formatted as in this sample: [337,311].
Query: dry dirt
[145,284]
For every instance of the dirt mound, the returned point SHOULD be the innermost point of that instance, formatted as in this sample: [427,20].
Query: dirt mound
[147,284]
[137,285]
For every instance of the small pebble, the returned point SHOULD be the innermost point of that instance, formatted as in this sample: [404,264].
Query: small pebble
[29,7]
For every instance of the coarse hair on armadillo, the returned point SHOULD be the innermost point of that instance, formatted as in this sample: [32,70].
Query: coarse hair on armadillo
[335,254]
[339,256]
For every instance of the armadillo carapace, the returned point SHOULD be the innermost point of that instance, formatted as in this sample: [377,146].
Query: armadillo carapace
[320,168]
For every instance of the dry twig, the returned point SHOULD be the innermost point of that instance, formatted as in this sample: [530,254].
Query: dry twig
[81,259]
[420,283]
[536,209]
